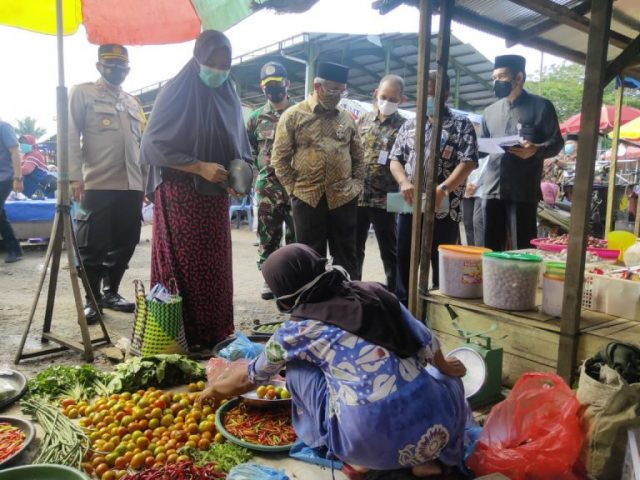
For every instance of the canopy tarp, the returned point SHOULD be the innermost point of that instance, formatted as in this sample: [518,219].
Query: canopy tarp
[130,22]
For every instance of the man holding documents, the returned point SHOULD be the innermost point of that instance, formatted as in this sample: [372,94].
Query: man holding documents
[526,127]
[457,158]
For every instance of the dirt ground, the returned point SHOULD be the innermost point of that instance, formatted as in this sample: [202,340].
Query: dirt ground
[18,284]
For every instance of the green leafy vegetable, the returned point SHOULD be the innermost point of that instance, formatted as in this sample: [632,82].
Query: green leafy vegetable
[155,371]
[225,455]
[77,382]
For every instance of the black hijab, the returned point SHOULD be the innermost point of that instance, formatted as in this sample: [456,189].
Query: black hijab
[308,289]
[191,121]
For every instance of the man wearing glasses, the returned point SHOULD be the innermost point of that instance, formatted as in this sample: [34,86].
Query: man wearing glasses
[105,125]
[318,158]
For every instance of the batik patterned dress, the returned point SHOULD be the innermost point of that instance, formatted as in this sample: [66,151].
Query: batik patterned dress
[366,404]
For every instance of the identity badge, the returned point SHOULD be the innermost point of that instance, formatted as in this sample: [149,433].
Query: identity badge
[383,157]
[340,132]
[448,151]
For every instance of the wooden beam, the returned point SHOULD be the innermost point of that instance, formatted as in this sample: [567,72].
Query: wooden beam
[581,201]
[628,56]
[428,220]
[611,191]
[424,60]
[545,26]
[472,19]
[568,17]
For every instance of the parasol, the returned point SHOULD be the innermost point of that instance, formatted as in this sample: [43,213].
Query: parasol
[607,115]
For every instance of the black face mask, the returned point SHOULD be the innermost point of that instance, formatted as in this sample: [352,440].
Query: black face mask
[502,88]
[275,93]
[114,75]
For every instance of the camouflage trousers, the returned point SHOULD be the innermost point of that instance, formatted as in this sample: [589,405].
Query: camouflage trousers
[273,210]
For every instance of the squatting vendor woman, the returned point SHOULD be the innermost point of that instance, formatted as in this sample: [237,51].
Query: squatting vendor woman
[355,360]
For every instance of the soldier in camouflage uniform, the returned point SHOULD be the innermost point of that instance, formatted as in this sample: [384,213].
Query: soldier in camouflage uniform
[378,130]
[273,202]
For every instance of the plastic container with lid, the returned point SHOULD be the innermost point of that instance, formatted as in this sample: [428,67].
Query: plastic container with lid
[461,270]
[510,280]
[553,288]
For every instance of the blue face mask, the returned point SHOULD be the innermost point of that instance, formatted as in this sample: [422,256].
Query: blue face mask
[213,77]
[25,148]
[569,149]
[430,106]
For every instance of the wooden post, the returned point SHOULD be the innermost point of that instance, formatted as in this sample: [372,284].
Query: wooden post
[595,70]
[613,166]
[428,221]
[424,59]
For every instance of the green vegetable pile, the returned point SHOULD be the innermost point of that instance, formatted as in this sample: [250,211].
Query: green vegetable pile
[155,371]
[78,382]
[64,442]
[224,455]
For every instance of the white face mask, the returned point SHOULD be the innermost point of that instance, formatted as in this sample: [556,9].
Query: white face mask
[387,108]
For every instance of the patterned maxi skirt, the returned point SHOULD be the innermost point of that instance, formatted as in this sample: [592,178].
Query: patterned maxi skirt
[192,244]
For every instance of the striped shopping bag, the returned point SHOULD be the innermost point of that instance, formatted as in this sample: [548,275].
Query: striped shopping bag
[158,326]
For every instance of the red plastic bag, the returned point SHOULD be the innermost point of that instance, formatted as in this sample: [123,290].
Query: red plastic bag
[534,434]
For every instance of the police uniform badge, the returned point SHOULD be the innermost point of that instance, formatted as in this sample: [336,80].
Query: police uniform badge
[106,122]
[270,70]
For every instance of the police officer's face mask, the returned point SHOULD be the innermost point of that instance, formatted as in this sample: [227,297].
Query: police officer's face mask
[275,93]
[114,74]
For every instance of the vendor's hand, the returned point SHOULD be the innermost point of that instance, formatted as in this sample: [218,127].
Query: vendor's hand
[453,367]
[77,190]
[233,193]
[209,396]
[213,172]
[18,187]
[526,150]
[406,188]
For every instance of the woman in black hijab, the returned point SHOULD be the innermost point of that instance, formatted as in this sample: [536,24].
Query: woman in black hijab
[355,360]
[196,129]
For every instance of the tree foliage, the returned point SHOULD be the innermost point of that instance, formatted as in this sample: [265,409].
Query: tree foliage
[563,84]
[27,126]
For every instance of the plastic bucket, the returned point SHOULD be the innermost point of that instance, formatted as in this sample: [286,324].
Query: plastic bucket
[552,294]
[461,270]
[510,280]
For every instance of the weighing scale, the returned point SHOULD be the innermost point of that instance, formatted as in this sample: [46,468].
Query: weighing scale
[483,380]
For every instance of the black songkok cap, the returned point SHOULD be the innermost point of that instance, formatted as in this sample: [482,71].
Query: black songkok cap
[516,63]
[333,71]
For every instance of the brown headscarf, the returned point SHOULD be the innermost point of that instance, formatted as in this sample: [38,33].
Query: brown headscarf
[308,288]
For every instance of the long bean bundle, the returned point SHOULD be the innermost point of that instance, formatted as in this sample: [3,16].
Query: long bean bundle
[64,442]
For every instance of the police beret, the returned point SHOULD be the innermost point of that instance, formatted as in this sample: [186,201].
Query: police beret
[333,71]
[112,51]
[272,71]
[516,63]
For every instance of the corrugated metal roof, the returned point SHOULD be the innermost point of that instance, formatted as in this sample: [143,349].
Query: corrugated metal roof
[366,57]
[534,24]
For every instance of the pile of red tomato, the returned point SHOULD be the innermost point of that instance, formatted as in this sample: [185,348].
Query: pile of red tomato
[142,430]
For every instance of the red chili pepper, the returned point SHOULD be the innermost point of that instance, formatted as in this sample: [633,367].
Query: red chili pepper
[271,428]
[11,439]
[177,471]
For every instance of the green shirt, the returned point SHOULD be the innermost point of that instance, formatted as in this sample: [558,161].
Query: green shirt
[261,128]
[377,139]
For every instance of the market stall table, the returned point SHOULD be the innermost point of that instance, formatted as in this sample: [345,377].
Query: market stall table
[31,218]
[530,339]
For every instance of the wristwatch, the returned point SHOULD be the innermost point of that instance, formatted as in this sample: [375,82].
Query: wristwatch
[444,188]
[19,179]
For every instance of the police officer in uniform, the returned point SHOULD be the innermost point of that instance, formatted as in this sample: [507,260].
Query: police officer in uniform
[105,125]
[273,202]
